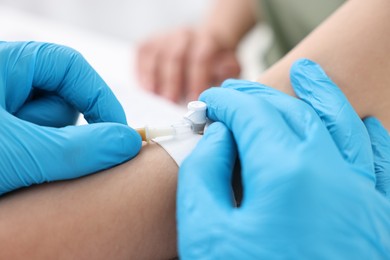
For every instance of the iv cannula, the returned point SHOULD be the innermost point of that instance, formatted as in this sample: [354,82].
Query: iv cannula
[179,129]
[193,122]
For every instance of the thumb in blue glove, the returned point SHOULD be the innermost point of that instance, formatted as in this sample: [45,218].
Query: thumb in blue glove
[42,84]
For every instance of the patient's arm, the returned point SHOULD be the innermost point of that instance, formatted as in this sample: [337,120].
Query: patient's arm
[353,46]
[127,212]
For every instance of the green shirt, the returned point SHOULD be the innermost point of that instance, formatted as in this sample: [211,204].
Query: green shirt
[292,20]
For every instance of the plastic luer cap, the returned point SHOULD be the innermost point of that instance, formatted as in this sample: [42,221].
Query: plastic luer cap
[196,115]
[197,106]
[196,112]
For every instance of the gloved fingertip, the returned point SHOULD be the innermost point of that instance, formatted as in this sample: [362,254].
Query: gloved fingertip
[205,95]
[306,66]
[230,82]
[298,81]
[105,107]
[121,142]
[132,141]
[312,84]
[373,123]
[216,99]
[303,73]
[242,85]
[303,62]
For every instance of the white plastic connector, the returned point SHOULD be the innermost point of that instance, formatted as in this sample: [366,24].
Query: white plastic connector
[196,115]
[194,122]
[153,132]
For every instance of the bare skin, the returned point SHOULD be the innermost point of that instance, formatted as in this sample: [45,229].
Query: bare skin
[185,61]
[353,46]
[127,212]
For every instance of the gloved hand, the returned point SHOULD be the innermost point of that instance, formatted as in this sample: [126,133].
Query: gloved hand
[310,188]
[41,86]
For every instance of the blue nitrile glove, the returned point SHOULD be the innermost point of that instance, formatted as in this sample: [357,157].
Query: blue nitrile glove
[310,188]
[41,86]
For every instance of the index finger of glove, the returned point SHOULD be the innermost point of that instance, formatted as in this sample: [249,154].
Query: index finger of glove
[63,70]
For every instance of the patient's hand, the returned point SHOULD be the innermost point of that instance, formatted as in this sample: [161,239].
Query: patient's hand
[184,62]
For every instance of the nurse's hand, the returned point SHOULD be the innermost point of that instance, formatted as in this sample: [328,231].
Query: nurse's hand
[42,86]
[184,62]
[316,183]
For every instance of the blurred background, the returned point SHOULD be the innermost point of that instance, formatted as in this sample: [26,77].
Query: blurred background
[128,20]
[134,20]
[107,33]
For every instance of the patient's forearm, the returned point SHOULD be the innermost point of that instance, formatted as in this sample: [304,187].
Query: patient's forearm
[353,46]
[127,212]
